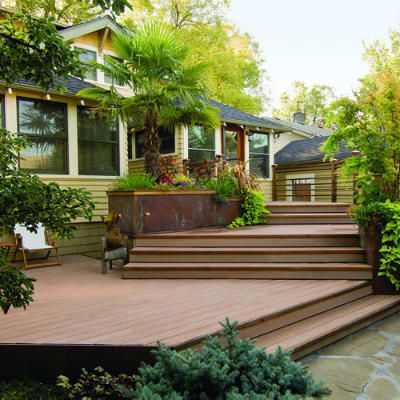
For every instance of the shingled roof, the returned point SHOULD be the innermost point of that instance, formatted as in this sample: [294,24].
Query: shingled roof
[311,130]
[72,85]
[306,151]
[230,114]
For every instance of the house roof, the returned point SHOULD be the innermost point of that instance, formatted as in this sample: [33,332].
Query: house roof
[310,130]
[306,151]
[230,114]
[72,85]
[93,25]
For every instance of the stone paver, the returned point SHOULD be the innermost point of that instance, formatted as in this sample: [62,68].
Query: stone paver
[363,366]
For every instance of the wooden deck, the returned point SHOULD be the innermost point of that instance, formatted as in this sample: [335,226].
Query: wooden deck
[76,304]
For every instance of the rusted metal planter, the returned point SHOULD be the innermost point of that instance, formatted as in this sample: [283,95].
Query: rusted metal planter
[145,211]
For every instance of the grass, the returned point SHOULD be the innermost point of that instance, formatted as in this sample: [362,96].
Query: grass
[135,182]
[226,186]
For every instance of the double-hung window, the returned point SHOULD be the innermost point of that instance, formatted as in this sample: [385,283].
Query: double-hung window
[108,77]
[259,153]
[167,142]
[44,124]
[87,57]
[98,144]
[201,144]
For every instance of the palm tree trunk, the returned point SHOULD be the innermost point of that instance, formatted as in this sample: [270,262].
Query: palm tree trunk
[151,145]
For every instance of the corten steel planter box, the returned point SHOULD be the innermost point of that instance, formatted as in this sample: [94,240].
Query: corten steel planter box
[145,211]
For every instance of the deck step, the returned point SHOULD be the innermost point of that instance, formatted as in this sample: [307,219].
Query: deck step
[247,271]
[278,316]
[306,207]
[315,332]
[248,254]
[308,218]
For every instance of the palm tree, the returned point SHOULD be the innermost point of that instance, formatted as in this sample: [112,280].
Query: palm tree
[166,91]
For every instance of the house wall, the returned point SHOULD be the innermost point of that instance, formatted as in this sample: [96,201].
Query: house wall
[87,237]
[282,139]
[321,189]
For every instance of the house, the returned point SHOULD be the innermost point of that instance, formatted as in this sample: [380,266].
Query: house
[302,174]
[75,148]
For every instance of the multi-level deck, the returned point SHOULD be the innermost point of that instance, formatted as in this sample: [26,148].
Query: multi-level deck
[299,285]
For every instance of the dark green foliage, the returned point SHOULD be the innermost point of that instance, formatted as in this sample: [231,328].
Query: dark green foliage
[227,369]
[98,385]
[225,185]
[135,182]
[28,389]
[254,210]
[16,289]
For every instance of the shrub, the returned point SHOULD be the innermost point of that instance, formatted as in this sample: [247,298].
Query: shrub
[225,369]
[166,169]
[97,385]
[225,185]
[135,182]
[254,210]
[28,389]
[205,171]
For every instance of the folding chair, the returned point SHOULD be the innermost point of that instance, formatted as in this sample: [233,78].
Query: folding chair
[32,242]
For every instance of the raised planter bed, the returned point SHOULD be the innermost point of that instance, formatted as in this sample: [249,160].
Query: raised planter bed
[146,211]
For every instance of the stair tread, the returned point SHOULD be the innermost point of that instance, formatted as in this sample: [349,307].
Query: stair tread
[299,334]
[305,214]
[302,250]
[252,266]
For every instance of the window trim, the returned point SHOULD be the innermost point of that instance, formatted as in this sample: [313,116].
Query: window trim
[116,143]
[66,139]
[162,154]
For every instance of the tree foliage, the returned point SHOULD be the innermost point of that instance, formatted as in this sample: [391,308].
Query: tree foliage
[166,91]
[313,101]
[235,75]
[370,122]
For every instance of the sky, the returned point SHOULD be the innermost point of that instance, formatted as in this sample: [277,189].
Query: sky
[315,41]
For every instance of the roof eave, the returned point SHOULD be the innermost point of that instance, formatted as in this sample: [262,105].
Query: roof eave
[260,125]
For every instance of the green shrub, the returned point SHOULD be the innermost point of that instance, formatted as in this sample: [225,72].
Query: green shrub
[225,185]
[29,389]
[229,369]
[254,209]
[135,182]
[98,385]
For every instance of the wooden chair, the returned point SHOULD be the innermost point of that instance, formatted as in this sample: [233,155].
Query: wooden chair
[33,242]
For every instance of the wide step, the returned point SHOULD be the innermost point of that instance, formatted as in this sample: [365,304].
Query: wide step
[308,218]
[313,333]
[249,254]
[307,207]
[247,271]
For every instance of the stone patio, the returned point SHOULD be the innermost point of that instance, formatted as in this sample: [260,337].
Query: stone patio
[363,366]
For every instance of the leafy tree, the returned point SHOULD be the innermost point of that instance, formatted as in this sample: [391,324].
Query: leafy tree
[314,102]
[235,75]
[165,91]
[370,122]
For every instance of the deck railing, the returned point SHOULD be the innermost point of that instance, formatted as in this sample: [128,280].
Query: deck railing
[318,182]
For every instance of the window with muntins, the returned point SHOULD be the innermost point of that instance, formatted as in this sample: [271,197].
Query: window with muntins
[44,124]
[108,77]
[259,153]
[167,142]
[87,57]
[98,144]
[201,144]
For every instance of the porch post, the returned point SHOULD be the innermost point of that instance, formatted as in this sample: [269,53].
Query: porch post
[333,181]
[274,183]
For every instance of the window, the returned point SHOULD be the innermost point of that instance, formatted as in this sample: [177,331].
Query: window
[167,142]
[107,77]
[259,153]
[44,124]
[98,145]
[2,114]
[201,144]
[130,147]
[231,146]
[88,57]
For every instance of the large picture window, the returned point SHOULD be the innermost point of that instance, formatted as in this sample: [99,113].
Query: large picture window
[259,153]
[201,144]
[167,142]
[98,144]
[44,124]
[87,57]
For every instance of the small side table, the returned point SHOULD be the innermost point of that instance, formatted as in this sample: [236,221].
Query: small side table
[7,245]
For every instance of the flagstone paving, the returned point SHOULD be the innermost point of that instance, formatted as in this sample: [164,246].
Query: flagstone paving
[363,366]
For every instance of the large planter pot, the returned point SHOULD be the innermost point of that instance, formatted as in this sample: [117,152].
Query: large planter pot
[145,211]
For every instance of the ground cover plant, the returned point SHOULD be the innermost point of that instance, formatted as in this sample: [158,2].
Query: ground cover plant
[226,368]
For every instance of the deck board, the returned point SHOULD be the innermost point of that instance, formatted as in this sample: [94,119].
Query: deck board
[76,304]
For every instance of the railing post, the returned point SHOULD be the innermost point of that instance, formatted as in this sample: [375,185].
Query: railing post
[274,183]
[333,181]
[185,163]
[355,153]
